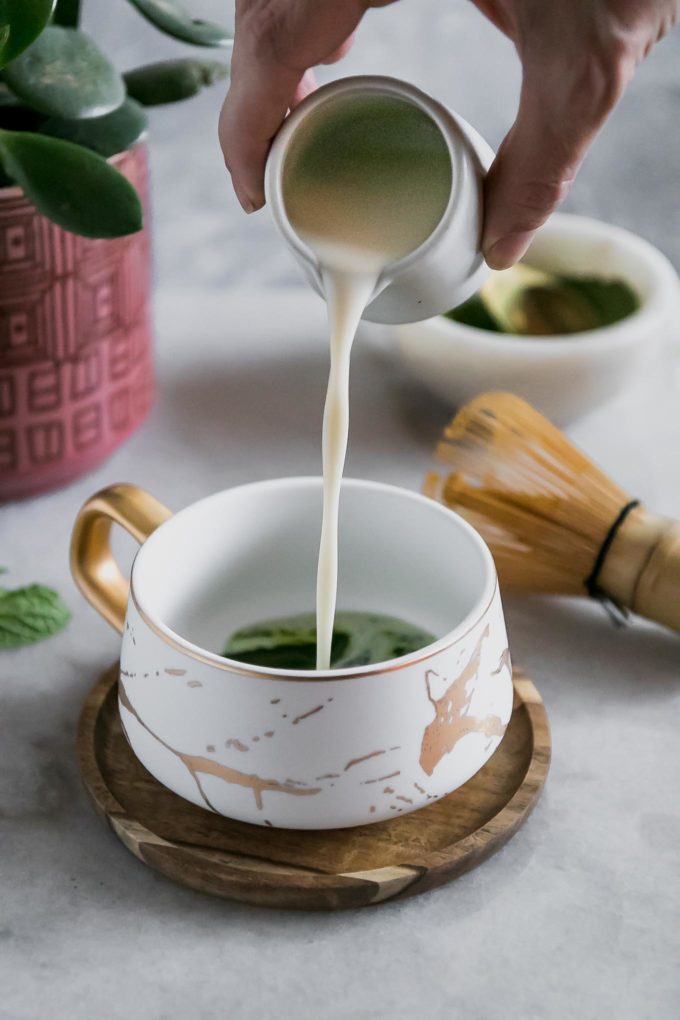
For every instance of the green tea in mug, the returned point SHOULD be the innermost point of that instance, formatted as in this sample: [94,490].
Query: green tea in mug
[359,639]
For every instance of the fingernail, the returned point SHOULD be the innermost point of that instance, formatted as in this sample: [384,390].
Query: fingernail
[507,250]
[247,205]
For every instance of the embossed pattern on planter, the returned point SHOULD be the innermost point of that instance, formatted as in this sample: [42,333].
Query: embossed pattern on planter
[76,375]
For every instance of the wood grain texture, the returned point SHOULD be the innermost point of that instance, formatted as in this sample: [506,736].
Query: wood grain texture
[320,870]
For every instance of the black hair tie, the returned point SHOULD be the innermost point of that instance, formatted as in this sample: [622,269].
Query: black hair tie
[617,613]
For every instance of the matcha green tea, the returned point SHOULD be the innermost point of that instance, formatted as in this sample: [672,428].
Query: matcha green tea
[524,301]
[359,639]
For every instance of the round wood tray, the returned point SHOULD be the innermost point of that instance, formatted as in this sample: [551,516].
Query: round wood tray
[320,870]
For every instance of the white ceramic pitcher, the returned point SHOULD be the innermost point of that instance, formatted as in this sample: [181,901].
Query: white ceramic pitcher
[449,266]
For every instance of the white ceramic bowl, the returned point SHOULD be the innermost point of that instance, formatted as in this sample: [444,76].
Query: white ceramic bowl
[563,376]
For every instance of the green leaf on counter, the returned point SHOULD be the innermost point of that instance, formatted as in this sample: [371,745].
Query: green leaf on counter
[171,18]
[73,187]
[106,135]
[64,74]
[171,81]
[30,614]
[21,22]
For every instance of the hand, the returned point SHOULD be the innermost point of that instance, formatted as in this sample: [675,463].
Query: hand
[276,42]
[577,58]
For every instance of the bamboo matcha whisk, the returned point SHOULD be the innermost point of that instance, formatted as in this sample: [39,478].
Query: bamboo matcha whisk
[553,520]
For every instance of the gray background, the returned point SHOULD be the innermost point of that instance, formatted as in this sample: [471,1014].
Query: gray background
[579,915]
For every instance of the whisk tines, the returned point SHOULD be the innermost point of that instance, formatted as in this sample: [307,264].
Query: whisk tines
[544,508]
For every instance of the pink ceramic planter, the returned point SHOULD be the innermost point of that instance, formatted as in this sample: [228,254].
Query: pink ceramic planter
[76,370]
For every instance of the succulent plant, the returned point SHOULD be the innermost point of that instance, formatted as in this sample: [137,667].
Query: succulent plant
[65,109]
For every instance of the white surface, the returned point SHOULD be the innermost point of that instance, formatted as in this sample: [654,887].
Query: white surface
[564,377]
[579,911]
[580,914]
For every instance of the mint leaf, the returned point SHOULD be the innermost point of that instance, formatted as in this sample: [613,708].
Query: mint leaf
[30,614]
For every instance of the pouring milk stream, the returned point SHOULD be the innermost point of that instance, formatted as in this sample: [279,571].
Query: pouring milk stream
[363,178]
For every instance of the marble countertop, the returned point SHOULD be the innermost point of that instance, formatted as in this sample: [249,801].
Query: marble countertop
[580,914]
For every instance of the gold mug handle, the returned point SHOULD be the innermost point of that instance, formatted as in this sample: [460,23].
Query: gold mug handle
[92,563]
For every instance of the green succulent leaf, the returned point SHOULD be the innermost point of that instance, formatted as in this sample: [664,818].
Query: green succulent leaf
[170,81]
[67,12]
[16,116]
[21,22]
[73,187]
[30,614]
[63,74]
[172,19]
[106,135]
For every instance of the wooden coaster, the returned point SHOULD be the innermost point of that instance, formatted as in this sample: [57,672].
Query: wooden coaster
[320,870]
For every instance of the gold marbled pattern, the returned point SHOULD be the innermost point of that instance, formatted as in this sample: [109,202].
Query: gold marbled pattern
[199,765]
[451,720]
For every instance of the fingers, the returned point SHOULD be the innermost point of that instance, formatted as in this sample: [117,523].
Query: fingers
[498,14]
[561,109]
[275,43]
[531,175]
[258,100]
[306,86]
[338,54]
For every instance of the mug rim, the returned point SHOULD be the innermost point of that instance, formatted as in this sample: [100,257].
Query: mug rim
[217,661]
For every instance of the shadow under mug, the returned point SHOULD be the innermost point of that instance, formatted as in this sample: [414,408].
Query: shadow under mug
[299,749]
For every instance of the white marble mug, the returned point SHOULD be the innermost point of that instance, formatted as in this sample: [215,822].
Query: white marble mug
[286,748]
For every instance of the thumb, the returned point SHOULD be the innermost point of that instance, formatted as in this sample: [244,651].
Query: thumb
[540,157]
